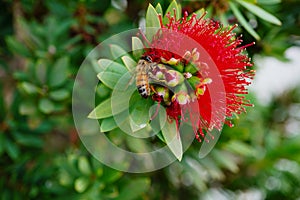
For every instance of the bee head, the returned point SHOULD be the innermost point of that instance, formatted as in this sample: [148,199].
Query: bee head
[147,58]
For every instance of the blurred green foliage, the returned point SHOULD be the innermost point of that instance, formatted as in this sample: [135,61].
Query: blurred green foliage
[42,44]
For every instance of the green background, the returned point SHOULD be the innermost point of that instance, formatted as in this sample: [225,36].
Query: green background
[42,44]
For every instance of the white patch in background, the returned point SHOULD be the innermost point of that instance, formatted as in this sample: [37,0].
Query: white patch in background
[274,77]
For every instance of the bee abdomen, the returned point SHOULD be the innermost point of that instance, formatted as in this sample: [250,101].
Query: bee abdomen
[143,90]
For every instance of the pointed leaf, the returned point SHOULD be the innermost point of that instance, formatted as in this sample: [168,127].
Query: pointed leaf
[243,21]
[29,88]
[172,138]
[59,73]
[112,73]
[129,63]
[17,47]
[158,9]
[12,149]
[200,12]
[152,21]
[269,2]
[117,51]
[260,13]
[109,79]
[103,64]
[137,47]
[111,66]
[108,124]
[179,10]
[103,110]
[173,6]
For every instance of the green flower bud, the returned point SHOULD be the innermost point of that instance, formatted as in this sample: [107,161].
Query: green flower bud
[194,81]
[182,98]
[173,78]
[191,68]
[172,61]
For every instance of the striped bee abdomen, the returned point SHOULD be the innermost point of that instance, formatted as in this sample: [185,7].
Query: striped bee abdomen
[142,78]
[142,84]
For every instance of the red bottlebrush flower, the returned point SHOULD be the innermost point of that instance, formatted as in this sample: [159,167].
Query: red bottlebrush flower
[170,47]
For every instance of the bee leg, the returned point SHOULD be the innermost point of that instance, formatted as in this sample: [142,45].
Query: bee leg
[153,89]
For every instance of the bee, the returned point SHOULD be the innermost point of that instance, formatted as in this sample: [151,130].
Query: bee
[143,74]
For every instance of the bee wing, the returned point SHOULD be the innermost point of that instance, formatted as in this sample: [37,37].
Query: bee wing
[131,80]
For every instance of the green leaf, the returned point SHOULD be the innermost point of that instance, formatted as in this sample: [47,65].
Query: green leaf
[84,165]
[103,64]
[59,72]
[46,106]
[12,149]
[111,66]
[268,2]
[129,63]
[159,9]
[117,51]
[172,138]
[29,88]
[134,189]
[59,95]
[108,124]
[243,21]
[103,110]
[41,71]
[28,140]
[226,160]
[158,121]
[110,175]
[27,107]
[260,13]
[112,73]
[2,105]
[137,47]
[64,178]
[240,148]
[2,143]
[17,47]
[139,114]
[110,79]
[152,21]
[103,91]
[173,6]
[81,184]
[200,12]
[138,145]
